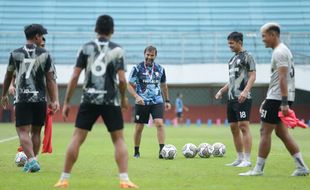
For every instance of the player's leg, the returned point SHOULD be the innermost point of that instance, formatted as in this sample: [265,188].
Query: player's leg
[243,125]
[25,140]
[157,112]
[137,139]
[292,147]
[179,118]
[263,150]
[246,143]
[141,118]
[270,119]
[121,158]
[86,117]
[38,120]
[115,124]
[79,136]
[24,118]
[36,139]
[235,131]
[121,154]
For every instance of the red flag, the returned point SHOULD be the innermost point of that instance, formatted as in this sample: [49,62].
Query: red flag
[290,120]
[47,140]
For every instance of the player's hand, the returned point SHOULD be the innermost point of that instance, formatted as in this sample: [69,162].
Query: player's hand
[124,103]
[284,110]
[218,95]
[4,101]
[185,108]
[65,111]
[243,96]
[167,106]
[139,100]
[54,106]
[12,90]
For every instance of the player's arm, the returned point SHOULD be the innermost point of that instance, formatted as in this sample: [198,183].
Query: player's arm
[69,92]
[52,89]
[244,94]
[185,108]
[164,89]
[122,88]
[12,85]
[224,89]
[7,81]
[283,87]
[131,87]
[6,84]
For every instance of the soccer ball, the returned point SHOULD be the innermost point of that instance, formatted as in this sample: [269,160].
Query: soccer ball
[205,150]
[169,152]
[20,159]
[219,149]
[189,150]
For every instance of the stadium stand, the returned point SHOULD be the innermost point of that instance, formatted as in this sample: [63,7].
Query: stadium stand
[184,31]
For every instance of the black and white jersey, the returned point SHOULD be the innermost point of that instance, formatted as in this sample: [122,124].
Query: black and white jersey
[30,64]
[101,59]
[239,66]
[281,57]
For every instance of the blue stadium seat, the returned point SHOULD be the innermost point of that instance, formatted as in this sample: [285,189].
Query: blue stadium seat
[183,31]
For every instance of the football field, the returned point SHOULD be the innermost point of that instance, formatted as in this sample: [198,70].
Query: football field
[96,169]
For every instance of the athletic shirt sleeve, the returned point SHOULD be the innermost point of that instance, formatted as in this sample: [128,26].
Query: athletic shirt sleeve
[251,63]
[11,65]
[50,66]
[120,63]
[81,59]
[281,59]
[163,77]
[133,75]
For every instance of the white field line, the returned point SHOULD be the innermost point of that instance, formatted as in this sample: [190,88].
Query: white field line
[8,139]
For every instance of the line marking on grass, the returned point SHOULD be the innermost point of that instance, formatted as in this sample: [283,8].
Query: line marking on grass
[8,139]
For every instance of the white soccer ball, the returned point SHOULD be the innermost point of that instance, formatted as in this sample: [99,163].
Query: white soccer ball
[20,159]
[169,152]
[219,149]
[189,150]
[205,150]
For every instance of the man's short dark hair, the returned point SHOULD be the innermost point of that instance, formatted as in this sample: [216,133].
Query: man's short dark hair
[150,48]
[236,36]
[104,25]
[33,29]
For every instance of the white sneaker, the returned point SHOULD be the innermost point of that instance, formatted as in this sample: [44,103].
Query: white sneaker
[300,172]
[244,164]
[252,173]
[234,163]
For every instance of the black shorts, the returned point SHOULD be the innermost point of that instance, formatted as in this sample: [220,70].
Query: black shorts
[89,113]
[239,111]
[270,110]
[179,114]
[142,113]
[28,113]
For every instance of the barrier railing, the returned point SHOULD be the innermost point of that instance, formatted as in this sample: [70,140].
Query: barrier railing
[173,48]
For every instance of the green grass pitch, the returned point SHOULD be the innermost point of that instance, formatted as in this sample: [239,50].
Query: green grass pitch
[96,169]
